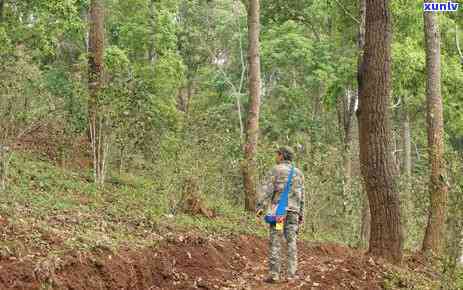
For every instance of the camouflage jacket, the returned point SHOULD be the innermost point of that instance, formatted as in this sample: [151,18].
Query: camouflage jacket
[273,186]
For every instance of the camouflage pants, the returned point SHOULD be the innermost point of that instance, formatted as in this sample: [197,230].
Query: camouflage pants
[290,234]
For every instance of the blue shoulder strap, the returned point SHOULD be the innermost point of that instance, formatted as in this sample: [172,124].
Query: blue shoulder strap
[283,203]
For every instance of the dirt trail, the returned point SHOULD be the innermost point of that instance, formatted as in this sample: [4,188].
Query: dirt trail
[193,262]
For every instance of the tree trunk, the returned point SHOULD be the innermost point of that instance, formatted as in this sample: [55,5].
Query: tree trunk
[457,42]
[152,22]
[317,101]
[361,36]
[249,166]
[434,236]
[366,220]
[407,205]
[85,19]
[184,96]
[122,158]
[4,160]
[238,94]
[365,226]
[377,164]
[2,6]
[407,147]
[347,109]
[95,84]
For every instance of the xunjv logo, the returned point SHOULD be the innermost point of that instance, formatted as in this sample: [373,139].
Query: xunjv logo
[441,7]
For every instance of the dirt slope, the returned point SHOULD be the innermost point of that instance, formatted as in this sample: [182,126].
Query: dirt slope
[192,262]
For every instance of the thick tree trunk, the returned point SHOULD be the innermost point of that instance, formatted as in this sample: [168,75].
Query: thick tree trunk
[434,236]
[95,84]
[377,164]
[249,166]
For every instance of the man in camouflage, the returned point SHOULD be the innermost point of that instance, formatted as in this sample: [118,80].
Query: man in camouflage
[269,197]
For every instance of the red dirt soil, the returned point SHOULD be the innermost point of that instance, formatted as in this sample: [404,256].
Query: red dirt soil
[49,141]
[193,262]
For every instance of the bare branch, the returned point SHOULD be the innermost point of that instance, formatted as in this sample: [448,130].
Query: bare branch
[34,125]
[347,11]
[397,104]
[457,41]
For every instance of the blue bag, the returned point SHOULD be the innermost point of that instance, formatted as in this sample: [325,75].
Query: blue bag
[280,213]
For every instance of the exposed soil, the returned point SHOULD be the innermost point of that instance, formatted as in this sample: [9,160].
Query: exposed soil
[52,142]
[192,262]
[178,261]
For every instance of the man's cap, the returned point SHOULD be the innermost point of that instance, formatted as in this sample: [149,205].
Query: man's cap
[287,152]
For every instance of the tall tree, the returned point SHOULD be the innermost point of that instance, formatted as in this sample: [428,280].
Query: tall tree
[406,168]
[457,42]
[433,238]
[252,131]
[377,165]
[407,146]
[152,24]
[348,105]
[95,84]
[2,5]
[365,226]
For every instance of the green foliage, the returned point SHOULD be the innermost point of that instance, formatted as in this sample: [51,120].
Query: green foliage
[6,45]
[286,45]
[406,279]
[409,59]
[61,84]
[24,99]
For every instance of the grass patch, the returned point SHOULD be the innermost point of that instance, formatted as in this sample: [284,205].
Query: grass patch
[50,209]
[399,278]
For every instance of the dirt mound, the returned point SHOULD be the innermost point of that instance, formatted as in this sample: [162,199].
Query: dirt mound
[331,249]
[192,262]
[191,201]
[51,141]
[182,262]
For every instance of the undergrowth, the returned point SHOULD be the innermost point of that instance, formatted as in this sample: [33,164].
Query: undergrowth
[50,211]
[44,201]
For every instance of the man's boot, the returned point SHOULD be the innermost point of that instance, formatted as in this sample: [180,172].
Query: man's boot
[272,278]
